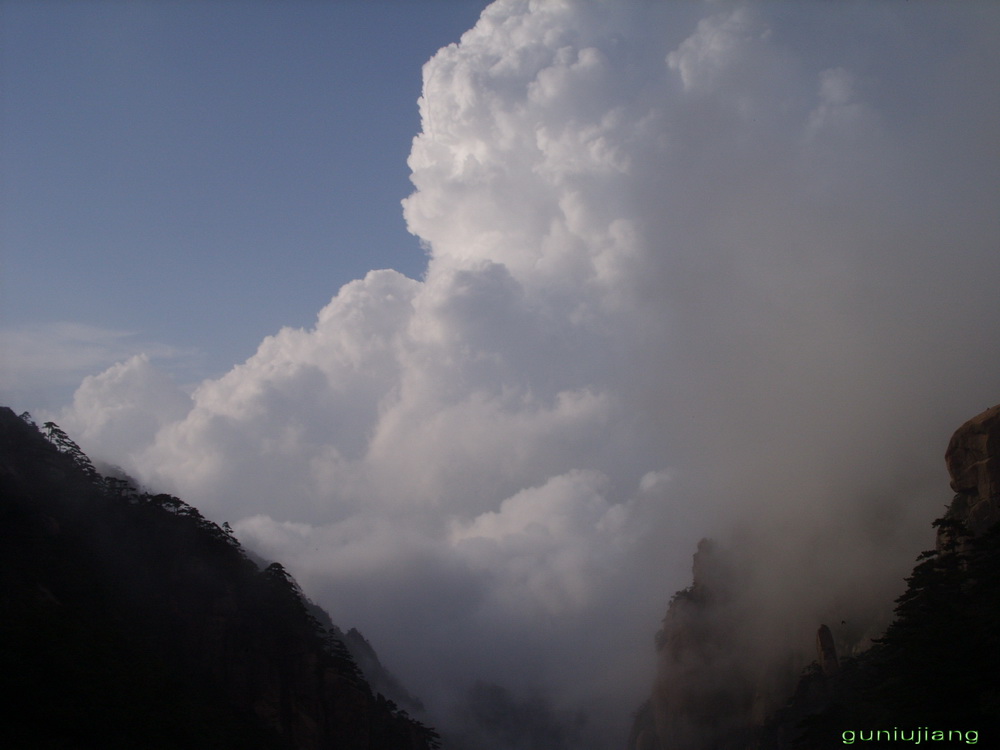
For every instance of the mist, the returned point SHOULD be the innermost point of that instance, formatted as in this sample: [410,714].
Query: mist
[692,270]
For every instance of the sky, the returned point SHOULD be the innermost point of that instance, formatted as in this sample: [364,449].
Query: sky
[480,323]
[182,178]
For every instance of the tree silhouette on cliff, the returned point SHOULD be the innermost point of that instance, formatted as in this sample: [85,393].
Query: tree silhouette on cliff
[131,620]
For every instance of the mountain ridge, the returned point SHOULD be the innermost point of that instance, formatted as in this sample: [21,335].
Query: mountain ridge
[133,621]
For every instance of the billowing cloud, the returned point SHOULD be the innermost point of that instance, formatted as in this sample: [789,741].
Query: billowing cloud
[685,276]
[124,407]
[532,542]
[41,359]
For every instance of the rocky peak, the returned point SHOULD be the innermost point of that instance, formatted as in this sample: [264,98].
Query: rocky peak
[973,460]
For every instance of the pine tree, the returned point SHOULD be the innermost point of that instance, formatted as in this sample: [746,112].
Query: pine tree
[66,445]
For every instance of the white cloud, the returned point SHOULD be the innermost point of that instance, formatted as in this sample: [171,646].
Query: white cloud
[549,545]
[52,357]
[124,407]
[715,256]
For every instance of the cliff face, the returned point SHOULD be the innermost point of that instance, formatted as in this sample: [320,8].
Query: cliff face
[973,460]
[935,666]
[701,691]
[707,692]
[132,621]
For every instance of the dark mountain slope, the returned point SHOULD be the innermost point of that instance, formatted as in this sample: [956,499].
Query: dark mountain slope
[131,621]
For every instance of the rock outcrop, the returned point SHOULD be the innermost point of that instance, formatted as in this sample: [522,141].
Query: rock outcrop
[826,651]
[973,460]
[703,695]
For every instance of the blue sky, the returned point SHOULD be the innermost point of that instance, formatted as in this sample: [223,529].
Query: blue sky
[202,174]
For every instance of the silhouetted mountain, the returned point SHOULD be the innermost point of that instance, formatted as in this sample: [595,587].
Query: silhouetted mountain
[931,677]
[130,621]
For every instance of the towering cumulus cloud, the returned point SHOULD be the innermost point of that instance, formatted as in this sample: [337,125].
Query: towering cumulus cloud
[690,272]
